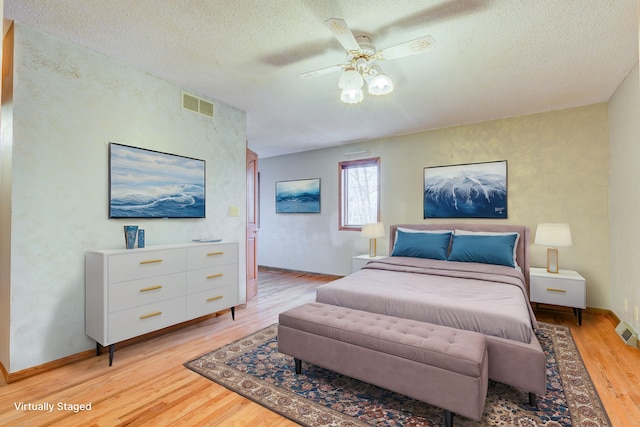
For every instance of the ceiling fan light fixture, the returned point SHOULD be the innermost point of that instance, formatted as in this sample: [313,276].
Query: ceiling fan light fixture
[380,84]
[350,79]
[351,96]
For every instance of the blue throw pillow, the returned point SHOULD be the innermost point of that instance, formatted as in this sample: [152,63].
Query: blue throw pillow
[421,245]
[484,249]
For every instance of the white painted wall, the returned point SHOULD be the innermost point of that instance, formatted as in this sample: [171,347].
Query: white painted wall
[68,104]
[624,211]
[557,172]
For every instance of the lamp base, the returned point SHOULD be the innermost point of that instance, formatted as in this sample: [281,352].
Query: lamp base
[372,248]
[552,260]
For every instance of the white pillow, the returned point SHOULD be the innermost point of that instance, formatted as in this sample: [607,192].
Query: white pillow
[495,233]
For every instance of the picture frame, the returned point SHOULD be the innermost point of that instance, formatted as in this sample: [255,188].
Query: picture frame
[298,196]
[146,183]
[471,190]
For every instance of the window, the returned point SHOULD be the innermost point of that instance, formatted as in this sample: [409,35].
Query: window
[359,190]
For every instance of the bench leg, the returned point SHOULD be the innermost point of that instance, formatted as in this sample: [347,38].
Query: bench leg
[298,365]
[532,399]
[448,418]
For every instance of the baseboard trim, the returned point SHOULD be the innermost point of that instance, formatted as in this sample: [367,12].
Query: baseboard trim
[12,377]
[605,312]
[49,366]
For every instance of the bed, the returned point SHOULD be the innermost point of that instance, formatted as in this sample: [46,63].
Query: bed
[467,276]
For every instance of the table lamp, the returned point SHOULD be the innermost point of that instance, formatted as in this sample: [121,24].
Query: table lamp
[553,236]
[373,231]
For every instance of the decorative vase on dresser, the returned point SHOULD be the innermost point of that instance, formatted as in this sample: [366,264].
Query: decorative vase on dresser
[133,292]
[130,233]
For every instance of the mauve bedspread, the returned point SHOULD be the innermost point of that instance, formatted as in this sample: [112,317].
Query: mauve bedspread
[489,299]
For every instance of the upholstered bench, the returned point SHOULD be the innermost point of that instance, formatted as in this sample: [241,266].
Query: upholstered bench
[439,365]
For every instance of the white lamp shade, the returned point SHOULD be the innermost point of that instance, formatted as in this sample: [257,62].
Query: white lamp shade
[351,96]
[373,230]
[350,79]
[380,84]
[554,235]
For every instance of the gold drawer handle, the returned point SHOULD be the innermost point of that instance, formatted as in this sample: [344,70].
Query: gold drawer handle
[155,313]
[215,253]
[556,290]
[150,261]
[214,298]
[151,288]
[213,276]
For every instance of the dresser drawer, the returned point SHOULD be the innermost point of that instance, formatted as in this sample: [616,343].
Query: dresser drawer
[210,255]
[207,302]
[141,320]
[558,291]
[135,293]
[141,264]
[212,278]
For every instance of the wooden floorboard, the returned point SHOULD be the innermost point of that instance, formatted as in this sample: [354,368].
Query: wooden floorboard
[148,385]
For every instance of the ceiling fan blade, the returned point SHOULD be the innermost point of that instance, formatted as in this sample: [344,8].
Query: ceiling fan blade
[322,71]
[342,33]
[411,47]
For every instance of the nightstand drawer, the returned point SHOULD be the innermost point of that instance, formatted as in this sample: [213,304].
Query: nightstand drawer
[566,288]
[557,294]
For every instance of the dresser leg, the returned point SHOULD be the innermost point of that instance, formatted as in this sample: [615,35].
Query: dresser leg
[233,313]
[112,349]
[579,317]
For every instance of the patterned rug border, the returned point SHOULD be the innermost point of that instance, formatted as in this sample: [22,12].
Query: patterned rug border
[582,415]
[585,407]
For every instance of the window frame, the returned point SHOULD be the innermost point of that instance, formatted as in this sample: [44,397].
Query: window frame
[349,164]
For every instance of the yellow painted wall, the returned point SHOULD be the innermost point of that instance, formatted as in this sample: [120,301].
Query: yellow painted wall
[557,172]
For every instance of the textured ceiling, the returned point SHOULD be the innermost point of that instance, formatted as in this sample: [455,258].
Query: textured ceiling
[492,59]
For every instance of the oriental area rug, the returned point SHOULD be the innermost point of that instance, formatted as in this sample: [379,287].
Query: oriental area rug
[253,368]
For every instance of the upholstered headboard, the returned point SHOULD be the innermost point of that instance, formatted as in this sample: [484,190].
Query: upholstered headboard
[522,251]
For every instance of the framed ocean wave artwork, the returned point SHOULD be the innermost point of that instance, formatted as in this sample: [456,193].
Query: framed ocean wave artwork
[145,183]
[298,196]
[473,190]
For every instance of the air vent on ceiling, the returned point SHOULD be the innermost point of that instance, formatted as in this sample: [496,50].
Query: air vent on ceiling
[196,104]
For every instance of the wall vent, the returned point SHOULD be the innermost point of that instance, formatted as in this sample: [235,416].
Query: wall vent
[197,105]
[627,334]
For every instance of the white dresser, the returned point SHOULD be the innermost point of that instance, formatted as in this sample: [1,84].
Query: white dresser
[130,292]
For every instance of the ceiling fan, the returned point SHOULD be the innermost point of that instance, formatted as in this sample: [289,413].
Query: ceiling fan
[362,62]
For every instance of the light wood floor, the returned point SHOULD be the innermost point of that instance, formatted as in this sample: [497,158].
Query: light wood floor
[147,384]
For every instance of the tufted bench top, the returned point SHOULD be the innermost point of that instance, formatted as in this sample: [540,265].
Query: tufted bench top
[440,346]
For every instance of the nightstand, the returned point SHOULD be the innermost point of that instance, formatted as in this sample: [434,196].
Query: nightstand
[566,288]
[360,260]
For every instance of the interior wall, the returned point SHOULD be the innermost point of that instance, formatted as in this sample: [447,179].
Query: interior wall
[557,172]
[68,104]
[624,113]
